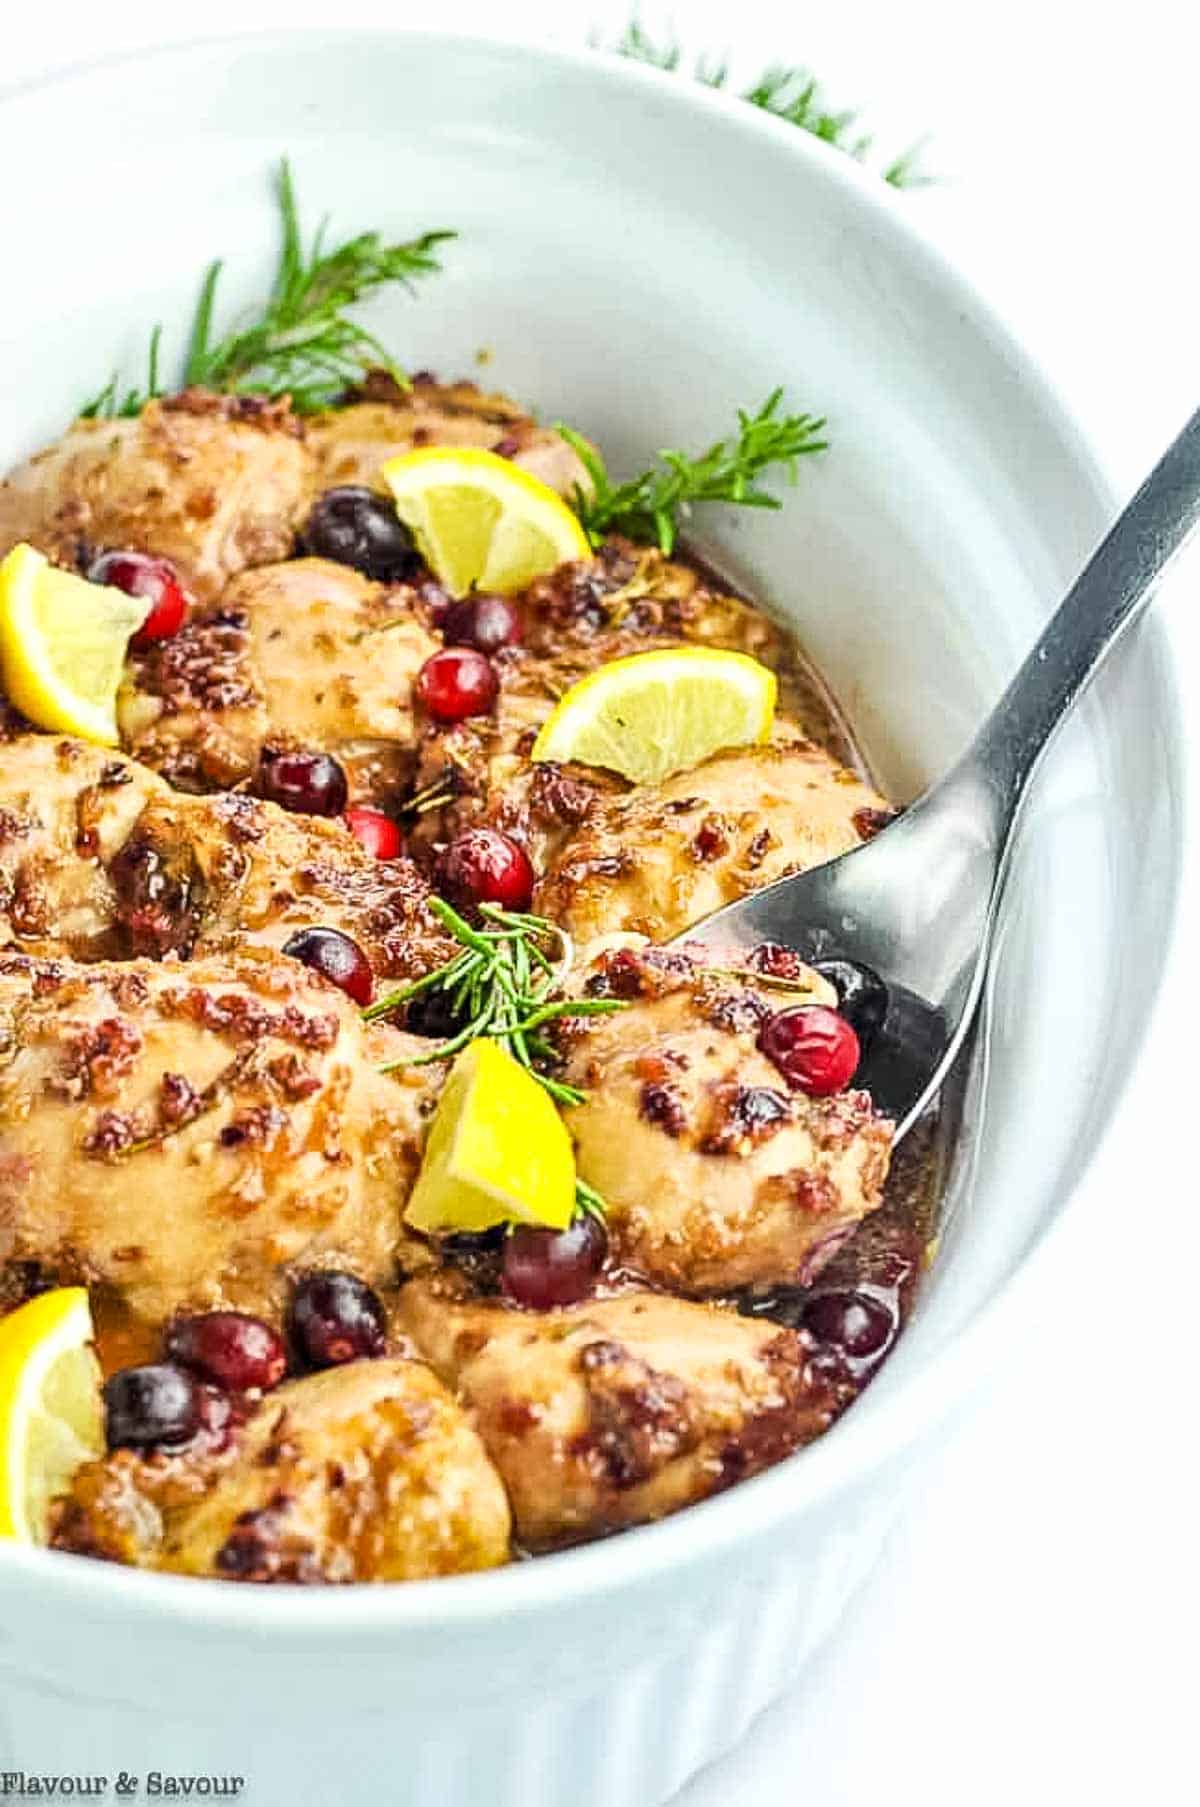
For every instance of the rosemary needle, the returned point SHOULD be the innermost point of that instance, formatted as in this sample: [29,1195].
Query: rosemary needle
[500,984]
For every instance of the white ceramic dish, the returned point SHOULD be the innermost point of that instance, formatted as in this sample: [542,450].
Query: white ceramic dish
[639,256]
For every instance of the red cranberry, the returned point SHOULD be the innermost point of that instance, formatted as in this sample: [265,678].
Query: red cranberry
[775,961]
[335,1317]
[154,580]
[545,1268]
[374,831]
[485,622]
[481,865]
[308,784]
[457,682]
[157,1406]
[231,1348]
[814,1048]
[354,526]
[336,958]
[856,1323]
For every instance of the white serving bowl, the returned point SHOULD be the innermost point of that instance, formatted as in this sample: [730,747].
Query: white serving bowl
[639,256]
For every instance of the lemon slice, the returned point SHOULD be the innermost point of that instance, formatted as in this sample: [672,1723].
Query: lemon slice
[497,1150]
[663,712]
[51,1417]
[62,645]
[481,522]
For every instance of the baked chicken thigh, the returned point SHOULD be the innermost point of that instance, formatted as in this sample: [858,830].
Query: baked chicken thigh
[187,1134]
[367,1472]
[621,1410]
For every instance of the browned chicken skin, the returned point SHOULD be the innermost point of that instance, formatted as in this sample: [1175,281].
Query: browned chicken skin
[621,1410]
[185,1134]
[715,1175]
[66,809]
[306,654]
[221,483]
[214,483]
[100,859]
[203,874]
[349,445]
[367,1472]
[660,857]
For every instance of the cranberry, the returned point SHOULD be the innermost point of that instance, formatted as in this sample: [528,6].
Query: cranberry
[862,995]
[335,1317]
[775,961]
[354,526]
[457,682]
[154,580]
[435,1014]
[374,831]
[855,1323]
[308,784]
[229,1347]
[150,1407]
[481,865]
[814,1048]
[485,622]
[336,958]
[544,1268]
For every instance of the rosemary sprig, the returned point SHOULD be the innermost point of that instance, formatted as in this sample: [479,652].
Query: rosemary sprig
[302,343]
[588,1199]
[500,984]
[647,507]
[790,94]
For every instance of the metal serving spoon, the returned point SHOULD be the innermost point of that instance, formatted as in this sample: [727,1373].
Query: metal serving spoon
[918,903]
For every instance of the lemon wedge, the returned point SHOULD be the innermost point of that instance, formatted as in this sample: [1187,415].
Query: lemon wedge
[662,712]
[497,1150]
[62,645]
[481,522]
[51,1417]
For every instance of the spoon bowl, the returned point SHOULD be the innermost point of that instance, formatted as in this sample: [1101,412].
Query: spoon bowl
[918,903]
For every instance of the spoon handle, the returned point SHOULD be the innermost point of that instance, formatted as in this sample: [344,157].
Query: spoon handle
[1106,597]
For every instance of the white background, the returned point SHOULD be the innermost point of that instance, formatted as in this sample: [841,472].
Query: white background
[1031,1632]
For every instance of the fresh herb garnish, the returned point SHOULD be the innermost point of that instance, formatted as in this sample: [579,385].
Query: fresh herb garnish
[647,508]
[500,984]
[302,343]
[791,94]
[588,1199]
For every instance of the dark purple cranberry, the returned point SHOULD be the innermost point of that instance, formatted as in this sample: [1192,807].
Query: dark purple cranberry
[354,526]
[856,1324]
[152,580]
[481,865]
[862,995]
[434,1013]
[308,784]
[335,1317]
[457,682]
[542,1269]
[337,958]
[485,622]
[814,1048]
[232,1348]
[153,1407]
